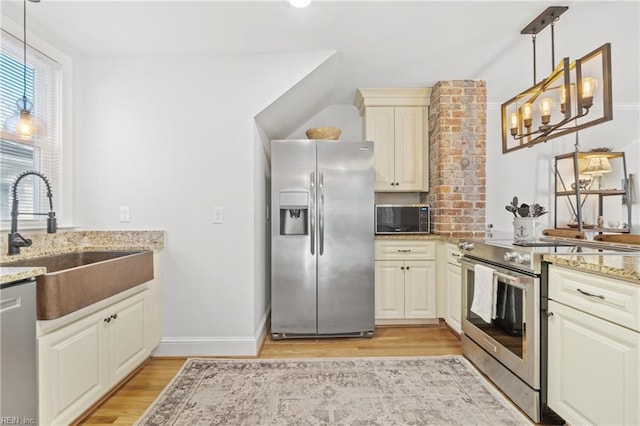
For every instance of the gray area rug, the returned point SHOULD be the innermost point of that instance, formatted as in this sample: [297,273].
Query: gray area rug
[347,391]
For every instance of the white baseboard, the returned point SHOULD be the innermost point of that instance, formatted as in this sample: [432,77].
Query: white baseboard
[215,346]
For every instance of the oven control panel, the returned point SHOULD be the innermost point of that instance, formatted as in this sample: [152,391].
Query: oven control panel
[519,258]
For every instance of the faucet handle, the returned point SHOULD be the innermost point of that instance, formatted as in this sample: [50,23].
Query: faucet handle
[16,241]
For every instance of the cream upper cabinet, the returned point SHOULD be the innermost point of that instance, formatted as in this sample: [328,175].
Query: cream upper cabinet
[594,348]
[396,121]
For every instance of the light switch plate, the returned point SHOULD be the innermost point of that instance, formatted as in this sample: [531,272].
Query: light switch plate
[218,215]
[125,215]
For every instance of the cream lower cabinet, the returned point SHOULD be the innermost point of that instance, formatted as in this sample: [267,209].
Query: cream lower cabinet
[81,361]
[593,368]
[452,289]
[405,281]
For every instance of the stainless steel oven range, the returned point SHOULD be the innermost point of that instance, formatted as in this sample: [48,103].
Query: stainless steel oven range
[501,316]
[504,305]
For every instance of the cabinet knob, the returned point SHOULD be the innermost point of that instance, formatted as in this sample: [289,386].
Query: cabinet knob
[549,314]
[114,316]
[407,268]
[107,320]
[397,183]
[392,183]
[402,268]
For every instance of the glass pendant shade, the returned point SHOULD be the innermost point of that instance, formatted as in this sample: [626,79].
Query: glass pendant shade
[23,124]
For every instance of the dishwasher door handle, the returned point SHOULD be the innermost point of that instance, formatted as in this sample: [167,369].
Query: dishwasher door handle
[10,303]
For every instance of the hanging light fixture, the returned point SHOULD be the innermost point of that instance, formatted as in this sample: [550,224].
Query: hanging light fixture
[564,101]
[24,124]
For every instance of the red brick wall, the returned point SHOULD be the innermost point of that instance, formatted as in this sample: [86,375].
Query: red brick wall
[457,152]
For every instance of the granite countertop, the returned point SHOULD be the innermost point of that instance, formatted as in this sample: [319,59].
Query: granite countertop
[625,266]
[73,241]
[411,237]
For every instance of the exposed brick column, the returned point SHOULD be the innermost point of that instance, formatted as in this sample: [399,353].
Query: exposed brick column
[457,144]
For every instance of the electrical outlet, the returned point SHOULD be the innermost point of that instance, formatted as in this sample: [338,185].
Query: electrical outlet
[218,215]
[125,215]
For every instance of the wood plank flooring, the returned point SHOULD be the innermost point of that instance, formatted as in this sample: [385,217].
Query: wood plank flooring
[128,403]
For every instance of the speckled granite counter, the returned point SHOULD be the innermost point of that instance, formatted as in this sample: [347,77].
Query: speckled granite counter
[73,241]
[412,237]
[624,266]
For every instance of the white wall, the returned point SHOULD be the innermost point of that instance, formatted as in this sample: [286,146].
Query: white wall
[172,137]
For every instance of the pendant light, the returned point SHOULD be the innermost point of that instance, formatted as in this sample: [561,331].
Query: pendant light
[24,124]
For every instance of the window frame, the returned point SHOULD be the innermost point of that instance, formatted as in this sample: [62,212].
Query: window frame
[64,56]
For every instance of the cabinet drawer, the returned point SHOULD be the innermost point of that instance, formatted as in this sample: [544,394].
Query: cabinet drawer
[613,300]
[453,253]
[405,250]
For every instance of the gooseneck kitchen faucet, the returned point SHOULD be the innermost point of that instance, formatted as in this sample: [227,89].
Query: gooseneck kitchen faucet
[16,240]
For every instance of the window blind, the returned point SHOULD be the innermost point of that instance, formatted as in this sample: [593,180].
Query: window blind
[17,155]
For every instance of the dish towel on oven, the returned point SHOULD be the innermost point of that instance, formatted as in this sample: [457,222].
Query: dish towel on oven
[485,293]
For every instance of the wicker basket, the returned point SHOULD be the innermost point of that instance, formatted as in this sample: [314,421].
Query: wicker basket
[327,133]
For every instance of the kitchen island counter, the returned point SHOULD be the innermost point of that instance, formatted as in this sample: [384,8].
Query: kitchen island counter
[625,266]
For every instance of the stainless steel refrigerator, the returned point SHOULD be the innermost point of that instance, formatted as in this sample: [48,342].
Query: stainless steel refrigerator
[322,232]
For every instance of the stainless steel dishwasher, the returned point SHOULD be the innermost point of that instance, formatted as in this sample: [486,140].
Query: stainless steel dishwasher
[18,370]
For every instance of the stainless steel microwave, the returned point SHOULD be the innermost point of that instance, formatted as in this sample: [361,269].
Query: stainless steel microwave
[402,219]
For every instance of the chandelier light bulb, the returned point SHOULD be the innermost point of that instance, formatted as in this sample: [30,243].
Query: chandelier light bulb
[300,3]
[514,124]
[527,112]
[563,98]
[545,110]
[588,86]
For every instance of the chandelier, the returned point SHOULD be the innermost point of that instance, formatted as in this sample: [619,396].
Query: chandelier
[576,95]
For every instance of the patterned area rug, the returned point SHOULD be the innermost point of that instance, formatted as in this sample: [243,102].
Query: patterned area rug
[347,391]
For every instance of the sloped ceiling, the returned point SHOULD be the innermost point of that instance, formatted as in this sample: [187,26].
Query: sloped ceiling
[304,100]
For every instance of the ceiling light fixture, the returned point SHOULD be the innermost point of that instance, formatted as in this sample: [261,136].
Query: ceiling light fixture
[299,3]
[573,91]
[24,124]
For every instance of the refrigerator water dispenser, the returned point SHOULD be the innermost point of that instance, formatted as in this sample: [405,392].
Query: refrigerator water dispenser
[294,209]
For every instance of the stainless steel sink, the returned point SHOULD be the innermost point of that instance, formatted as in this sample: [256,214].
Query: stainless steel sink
[75,280]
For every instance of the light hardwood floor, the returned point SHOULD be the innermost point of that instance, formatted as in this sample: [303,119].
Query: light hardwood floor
[128,403]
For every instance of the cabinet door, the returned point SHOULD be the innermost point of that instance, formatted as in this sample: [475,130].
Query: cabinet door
[389,292]
[409,141]
[420,289]
[72,372]
[379,128]
[453,296]
[126,336]
[593,369]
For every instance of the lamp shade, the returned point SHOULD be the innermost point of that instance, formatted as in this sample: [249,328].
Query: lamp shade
[597,166]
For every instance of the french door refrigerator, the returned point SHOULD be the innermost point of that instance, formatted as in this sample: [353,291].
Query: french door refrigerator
[322,232]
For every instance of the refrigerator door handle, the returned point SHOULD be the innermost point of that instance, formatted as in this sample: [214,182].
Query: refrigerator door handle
[312,210]
[321,214]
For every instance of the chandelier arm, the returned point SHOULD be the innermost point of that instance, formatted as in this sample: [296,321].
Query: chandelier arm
[551,128]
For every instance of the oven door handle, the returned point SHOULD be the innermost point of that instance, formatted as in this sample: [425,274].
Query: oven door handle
[508,279]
